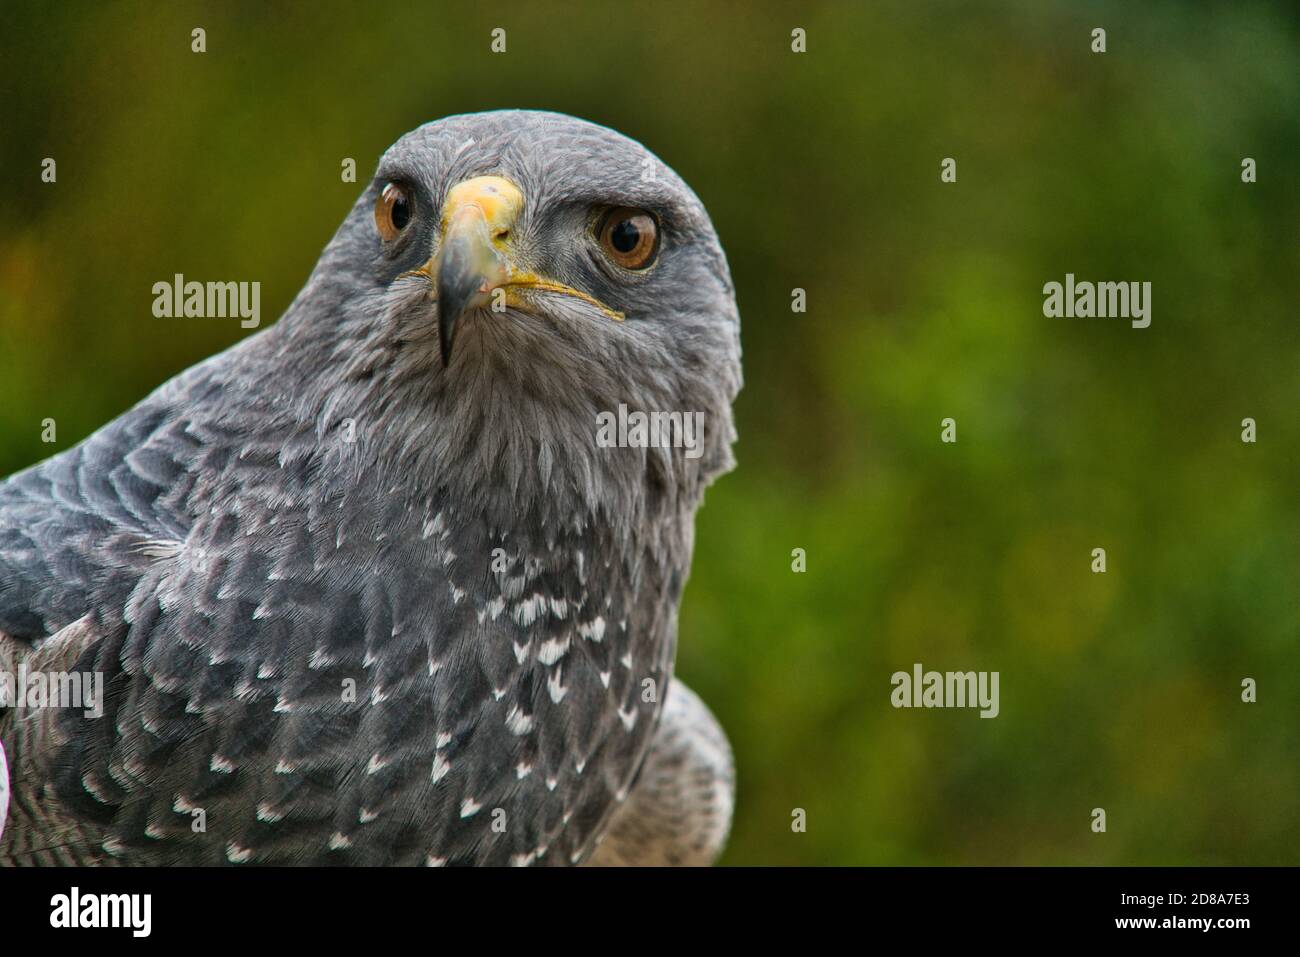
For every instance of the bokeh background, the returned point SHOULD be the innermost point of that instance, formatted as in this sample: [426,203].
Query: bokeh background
[821,171]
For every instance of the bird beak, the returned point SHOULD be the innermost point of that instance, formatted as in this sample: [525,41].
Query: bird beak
[478,217]
[474,260]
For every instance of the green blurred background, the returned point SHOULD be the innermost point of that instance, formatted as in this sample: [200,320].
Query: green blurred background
[821,171]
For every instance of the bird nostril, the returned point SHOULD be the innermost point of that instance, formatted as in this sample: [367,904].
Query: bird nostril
[501,235]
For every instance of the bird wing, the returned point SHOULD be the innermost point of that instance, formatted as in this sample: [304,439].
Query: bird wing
[78,533]
[39,831]
[75,529]
[293,674]
[679,811]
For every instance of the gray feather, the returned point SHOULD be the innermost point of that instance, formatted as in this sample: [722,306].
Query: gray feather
[319,507]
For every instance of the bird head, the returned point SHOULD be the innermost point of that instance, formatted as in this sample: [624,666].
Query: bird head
[508,277]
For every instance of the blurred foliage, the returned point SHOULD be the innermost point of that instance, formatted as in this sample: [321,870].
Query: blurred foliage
[822,172]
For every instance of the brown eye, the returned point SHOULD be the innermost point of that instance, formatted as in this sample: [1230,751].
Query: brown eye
[392,211]
[630,237]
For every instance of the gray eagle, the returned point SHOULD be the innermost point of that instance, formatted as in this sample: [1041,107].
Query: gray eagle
[374,586]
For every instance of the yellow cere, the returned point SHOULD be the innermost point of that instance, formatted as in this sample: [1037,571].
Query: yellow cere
[498,199]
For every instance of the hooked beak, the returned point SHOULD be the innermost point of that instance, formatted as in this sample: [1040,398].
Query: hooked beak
[480,213]
[473,269]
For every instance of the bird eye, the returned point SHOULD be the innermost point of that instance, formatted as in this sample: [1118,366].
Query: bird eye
[392,211]
[630,237]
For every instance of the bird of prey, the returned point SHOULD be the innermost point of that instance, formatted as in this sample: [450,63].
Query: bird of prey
[367,588]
